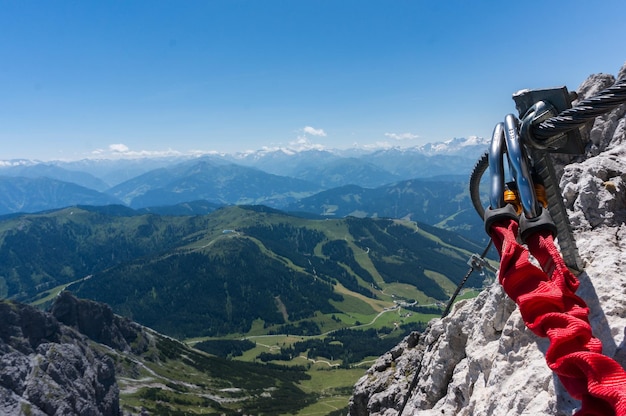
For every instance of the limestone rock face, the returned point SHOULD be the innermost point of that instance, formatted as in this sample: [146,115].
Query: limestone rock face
[49,369]
[481,359]
[98,322]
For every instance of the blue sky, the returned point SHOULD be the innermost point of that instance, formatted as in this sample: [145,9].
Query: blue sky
[102,78]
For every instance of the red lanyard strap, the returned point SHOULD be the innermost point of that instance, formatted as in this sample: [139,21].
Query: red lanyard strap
[550,308]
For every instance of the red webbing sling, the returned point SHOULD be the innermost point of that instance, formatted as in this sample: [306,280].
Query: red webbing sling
[551,309]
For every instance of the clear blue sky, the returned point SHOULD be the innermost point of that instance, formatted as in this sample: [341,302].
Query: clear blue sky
[86,78]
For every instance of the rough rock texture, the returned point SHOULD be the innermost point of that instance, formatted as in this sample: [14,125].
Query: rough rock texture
[481,359]
[98,322]
[47,368]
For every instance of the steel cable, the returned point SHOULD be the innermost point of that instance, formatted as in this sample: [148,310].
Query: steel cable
[586,110]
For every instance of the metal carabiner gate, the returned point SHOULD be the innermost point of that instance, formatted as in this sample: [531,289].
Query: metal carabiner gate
[527,202]
[496,167]
[506,140]
[519,163]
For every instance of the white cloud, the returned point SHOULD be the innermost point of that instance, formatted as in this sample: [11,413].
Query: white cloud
[303,143]
[10,163]
[402,136]
[313,131]
[119,148]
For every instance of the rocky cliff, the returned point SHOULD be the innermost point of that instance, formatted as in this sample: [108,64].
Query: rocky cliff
[481,359]
[98,322]
[47,368]
[65,362]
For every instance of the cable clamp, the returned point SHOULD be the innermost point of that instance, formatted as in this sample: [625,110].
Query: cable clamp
[479,263]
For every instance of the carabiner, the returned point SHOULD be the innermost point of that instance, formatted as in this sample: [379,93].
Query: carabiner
[518,162]
[538,113]
[496,167]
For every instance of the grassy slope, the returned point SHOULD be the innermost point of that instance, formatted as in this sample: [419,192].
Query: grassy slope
[327,387]
[293,253]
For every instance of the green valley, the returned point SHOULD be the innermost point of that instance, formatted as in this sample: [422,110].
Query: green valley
[312,300]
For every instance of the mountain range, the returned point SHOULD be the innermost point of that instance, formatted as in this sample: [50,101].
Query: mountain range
[283,161]
[426,184]
[278,176]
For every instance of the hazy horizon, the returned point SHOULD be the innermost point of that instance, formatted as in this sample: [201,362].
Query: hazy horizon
[292,148]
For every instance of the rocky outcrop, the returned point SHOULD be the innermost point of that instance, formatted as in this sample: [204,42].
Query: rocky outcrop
[481,359]
[47,368]
[98,322]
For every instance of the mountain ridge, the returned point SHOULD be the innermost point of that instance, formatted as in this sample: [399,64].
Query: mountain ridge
[26,194]
[144,264]
[440,201]
[342,276]
[280,161]
[220,182]
[81,359]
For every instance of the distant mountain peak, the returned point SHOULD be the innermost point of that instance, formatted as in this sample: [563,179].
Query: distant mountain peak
[274,176]
[450,146]
[454,146]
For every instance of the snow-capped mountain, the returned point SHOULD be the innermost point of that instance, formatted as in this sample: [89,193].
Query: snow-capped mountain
[456,146]
[307,162]
[306,169]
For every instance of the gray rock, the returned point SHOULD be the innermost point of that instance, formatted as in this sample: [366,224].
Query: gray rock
[49,369]
[98,322]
